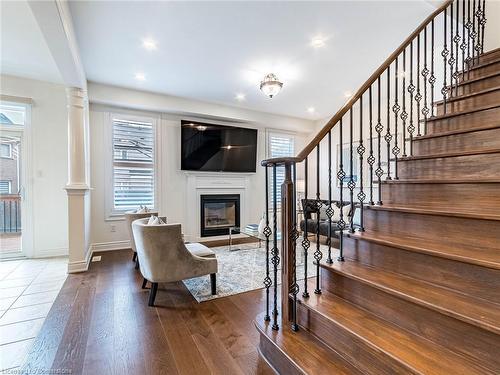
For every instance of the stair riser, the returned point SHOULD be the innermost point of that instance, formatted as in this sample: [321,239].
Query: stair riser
[278,360]
[467,166]
[487,57]
[480,140]
[481,72]
[468,278]
[483,233]
[462,196]
[468,88]
[468,121]
[468,340]
[367,359]
[492,97]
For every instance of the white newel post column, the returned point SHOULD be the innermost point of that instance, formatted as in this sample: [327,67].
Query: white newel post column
[78,183]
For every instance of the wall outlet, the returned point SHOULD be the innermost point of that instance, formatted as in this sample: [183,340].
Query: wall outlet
[112,228]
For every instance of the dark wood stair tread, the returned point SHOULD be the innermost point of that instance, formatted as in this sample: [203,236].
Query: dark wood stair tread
[464,253]
[480,78]
[468,95]
[451,154]
[471,310]
[305,351]
[456,132]
[442,181]
[418,354]
[460,113]
[482,214]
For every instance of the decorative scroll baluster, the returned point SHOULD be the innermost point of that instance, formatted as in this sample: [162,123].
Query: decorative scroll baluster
[294,288]
[341,176]
[463,45]
[351,184]
[411,90]
[456,39]
[329,210]
[425,73]
[267,232]
[473,32]
[451,60]
[275,252]
[361,151]
[379,128]
[445,55]
[483,24]
[388,136]
[468,26]
[305,241]
[432,78]
[396,108]
[404,114]
[317,254]
[418,95]
[371,157]
[478,47]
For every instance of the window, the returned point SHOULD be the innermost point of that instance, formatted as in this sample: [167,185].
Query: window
[5,187]
[12,114]
[133,165]
[6,150]
[279,145]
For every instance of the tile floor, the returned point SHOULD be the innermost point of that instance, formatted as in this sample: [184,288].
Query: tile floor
[28,287]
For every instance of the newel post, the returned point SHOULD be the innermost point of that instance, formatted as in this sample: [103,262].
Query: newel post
[287,242]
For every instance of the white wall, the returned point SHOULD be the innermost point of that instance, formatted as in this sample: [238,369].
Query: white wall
[49,162]
[172,182]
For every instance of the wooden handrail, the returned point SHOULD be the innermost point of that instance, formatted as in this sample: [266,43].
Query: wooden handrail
[343,110]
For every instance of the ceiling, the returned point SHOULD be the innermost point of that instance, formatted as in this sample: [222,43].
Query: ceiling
[23,50]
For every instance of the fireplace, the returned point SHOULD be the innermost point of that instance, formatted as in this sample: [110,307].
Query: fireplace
[219,213]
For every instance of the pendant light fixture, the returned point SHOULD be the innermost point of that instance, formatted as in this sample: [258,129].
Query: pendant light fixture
[270,85]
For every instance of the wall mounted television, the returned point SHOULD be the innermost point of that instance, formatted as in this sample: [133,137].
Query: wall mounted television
[217,148]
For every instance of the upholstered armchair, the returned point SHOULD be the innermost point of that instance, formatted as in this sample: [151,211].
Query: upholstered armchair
[163,256]
[130,217]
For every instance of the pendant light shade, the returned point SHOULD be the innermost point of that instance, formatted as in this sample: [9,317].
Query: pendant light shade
[270,85]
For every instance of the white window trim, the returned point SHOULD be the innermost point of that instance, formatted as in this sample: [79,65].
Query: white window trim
[10,151]
[111,213]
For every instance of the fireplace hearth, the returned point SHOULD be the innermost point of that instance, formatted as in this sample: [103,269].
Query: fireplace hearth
[219,213]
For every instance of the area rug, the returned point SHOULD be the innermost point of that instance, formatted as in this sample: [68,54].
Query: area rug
[243,270]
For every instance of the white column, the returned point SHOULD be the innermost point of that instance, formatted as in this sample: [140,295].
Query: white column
[78,184]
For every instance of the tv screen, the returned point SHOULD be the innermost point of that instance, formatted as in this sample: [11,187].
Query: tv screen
[208,147]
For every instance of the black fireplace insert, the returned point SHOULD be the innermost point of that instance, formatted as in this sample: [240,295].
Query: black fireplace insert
[219,213]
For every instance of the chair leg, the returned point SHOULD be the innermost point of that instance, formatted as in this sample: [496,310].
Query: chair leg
[134,257]
[213,283]
[152,294]
[144,283]
[137,264]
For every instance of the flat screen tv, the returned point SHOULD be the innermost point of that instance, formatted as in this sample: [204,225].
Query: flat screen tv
[208,147]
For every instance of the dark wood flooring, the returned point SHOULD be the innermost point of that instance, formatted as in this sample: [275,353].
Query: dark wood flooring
[100,324]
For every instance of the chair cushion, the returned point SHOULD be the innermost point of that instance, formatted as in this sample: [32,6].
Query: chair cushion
[200,250]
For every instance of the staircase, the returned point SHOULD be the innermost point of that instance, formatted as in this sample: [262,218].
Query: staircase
[417,290]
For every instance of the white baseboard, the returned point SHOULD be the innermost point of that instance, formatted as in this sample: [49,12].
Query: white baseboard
[82,265]
[109,246]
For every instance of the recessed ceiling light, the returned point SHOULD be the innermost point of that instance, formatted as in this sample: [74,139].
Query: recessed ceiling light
[318,42]
[140,76]
[311,110]
[240,97]
[347,94]
[149,44]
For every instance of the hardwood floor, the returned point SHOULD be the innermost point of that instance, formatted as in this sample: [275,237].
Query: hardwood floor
[100,324]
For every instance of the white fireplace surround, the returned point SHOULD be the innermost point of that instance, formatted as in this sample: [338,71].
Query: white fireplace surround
[200,183]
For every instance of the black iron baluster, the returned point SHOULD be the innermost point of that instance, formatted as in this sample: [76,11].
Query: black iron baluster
[371,157]
[379,172]
[317,254]
[361,151]
[425,73]
[351,184]
[468,26]
[404,114]
[294,288]
[483,24]
[305,241]
[451,60]
[456,39]
[341,176]
[463,45]
[396,108]
[388,136]
[275,252]
[478,32]
[329,210]
[267,232]
[444,53]
[432,78]
[411,90]
[473,33]
[418,95]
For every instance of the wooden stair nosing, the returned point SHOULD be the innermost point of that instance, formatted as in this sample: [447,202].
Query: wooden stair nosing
[456,132]
[435,211]
[309,343]
[371,339]
[416,246]
[487,314]
[450,154]
[477,79]
[461,113]
[483,64]
[468,95]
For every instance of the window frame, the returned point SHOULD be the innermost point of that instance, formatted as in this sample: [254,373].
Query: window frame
[10,151]
[112,213]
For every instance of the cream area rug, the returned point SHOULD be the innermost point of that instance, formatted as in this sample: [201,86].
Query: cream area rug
[244,269]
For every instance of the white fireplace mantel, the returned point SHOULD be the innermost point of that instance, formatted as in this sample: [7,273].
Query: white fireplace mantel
[199,183]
